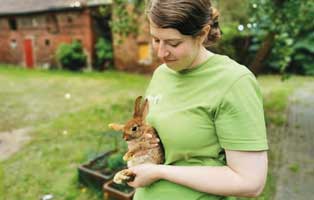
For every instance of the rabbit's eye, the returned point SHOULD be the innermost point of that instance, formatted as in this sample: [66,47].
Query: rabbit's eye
[134,128]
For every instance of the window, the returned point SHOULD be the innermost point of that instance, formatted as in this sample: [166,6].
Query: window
[12,24]
[34,22]
[13,43]
[70,20]
[47,42]
[144,53]
[52,23]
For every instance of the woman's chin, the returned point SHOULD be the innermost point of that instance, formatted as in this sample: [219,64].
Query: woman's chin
[174,66]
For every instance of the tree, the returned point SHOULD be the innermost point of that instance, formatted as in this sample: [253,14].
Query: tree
[280,24]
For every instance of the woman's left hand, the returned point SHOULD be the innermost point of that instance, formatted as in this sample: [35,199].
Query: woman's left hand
[145,175]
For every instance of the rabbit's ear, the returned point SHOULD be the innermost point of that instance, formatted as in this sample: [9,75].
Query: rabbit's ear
[137,107]
[116,127]
[144,110]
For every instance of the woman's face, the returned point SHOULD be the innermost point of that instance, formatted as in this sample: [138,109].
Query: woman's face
[177,51]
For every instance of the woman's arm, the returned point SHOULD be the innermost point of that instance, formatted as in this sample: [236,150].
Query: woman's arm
[244,175]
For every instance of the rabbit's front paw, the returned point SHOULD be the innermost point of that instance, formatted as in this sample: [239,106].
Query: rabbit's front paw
[127,156]
[124,176]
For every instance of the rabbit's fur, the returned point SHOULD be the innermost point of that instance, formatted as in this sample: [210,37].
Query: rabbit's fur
[134,130]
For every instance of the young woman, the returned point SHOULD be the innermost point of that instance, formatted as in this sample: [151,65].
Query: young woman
[206,108]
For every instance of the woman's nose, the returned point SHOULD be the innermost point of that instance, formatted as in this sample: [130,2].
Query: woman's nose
[162,51]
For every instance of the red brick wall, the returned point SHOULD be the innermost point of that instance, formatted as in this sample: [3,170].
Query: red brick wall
[42,28]
[126,54]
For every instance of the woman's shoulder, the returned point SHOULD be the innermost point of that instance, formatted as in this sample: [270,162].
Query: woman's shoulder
[231,68]
[159,69]
[160,72]
[226,71]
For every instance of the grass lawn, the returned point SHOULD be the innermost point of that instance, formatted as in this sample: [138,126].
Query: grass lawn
[69,113]
[66,131]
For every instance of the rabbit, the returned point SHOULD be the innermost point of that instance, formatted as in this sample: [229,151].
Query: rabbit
[134,130]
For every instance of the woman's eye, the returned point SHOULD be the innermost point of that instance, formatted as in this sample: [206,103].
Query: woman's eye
[175,44]
[156,40]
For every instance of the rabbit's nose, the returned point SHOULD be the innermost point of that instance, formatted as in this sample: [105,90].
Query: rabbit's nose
[126,137]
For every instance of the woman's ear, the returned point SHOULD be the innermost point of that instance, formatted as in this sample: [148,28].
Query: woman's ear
[204,33]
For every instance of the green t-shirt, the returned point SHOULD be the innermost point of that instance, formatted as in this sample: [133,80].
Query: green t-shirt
[198,113]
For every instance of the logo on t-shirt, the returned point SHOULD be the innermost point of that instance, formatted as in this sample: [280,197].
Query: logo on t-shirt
[154,99]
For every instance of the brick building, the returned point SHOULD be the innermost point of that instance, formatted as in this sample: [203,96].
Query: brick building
[31,30]
[135,53]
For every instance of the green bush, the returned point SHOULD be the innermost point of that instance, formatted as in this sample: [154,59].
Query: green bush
[233,43]
[303,61]
[104,54]
[71,56]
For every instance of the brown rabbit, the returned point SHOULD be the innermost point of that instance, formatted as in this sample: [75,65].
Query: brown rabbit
[134,130]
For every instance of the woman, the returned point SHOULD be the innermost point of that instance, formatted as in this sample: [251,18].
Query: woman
[206,108]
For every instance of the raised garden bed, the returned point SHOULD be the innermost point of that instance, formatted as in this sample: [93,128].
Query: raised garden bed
[96,172]
[117,191]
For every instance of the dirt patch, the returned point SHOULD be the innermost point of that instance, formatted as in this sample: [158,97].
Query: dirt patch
[12,141]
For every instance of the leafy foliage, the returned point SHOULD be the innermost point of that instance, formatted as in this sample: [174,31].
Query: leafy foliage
[125,14]
[71,56]
[291,24]
[304,53]
[115,161]
[104,53]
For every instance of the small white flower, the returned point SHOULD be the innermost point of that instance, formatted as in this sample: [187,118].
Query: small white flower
[254,25]
[47,197]
[254,5]
[249,25]
[65,132]
[67,96]
[240,27]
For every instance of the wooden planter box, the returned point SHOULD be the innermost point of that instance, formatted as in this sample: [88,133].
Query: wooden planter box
[95,176]
[114,191]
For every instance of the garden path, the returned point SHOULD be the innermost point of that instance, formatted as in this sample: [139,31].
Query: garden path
[296,167]
[12,141]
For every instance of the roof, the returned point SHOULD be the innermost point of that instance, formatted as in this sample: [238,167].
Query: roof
[11,7]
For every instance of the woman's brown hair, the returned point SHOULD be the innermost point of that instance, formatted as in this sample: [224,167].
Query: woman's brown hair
[189,17]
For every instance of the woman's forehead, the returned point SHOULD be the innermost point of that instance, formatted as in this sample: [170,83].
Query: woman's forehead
[166,33]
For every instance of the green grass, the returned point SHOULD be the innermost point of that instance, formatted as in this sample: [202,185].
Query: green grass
[276,94]
[294,167]
[1,181]
[37,98]
[29,98]
[68,132]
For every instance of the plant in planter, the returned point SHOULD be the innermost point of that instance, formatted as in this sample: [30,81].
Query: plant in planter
[101,168]
[94,173]
[118,191]
[115,163]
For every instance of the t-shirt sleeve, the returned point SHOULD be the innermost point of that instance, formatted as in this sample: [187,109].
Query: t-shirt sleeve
[239,121]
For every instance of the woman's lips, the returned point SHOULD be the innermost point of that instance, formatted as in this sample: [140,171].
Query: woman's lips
[169,60]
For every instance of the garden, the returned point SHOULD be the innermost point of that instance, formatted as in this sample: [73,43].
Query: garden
[54,137]
[68,115]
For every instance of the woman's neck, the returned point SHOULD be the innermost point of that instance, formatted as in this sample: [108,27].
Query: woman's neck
[202,56]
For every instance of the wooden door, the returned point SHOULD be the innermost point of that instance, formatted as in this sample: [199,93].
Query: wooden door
[28,52]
